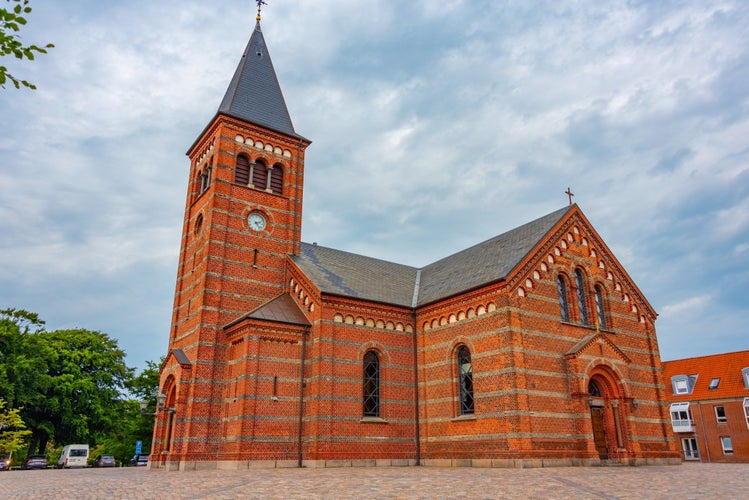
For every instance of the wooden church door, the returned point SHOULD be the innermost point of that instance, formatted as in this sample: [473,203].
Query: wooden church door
[599,433]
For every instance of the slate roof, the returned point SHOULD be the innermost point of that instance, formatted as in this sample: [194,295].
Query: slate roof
[282,309]
[351,275]
[254,93]
[726,366]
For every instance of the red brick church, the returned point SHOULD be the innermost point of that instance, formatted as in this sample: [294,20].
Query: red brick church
[533,348]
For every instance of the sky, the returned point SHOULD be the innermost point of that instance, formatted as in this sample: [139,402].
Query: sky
[434,125]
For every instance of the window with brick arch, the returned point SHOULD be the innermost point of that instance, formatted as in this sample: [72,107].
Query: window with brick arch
[465,380]
[581,300]
[564,306]
[242,170]
[276,179]
[371,384]
[260,175]
[600,311]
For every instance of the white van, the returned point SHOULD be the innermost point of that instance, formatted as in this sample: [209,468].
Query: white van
[73,455]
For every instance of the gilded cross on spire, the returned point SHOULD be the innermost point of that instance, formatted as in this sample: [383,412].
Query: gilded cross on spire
[570,194]
[260,4]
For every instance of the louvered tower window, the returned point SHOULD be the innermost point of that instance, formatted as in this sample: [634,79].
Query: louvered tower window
[260,175]
[371,384]
[242,170]
[276,179]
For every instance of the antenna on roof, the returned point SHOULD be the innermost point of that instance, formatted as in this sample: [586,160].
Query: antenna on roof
[260,4]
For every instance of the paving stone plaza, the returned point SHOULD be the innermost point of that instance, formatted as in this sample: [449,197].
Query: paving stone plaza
[680,481]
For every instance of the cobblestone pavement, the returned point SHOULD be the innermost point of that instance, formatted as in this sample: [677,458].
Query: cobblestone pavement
[684,482]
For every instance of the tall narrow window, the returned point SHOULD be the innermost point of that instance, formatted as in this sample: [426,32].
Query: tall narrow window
[242,170]
[563,305]
[276,180]
[260,175]
[581,304]
[371,384]
[746,411]
[465,376]
[600,315]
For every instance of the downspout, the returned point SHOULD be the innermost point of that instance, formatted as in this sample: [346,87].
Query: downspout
[704,435]
[417,406]
[416,390]
[301,398]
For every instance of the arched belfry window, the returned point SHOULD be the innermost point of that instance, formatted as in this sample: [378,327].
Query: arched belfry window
[371,384]
[600,313]
[465,381]
[242,170]
[276,179]
[564,306]
[581,301]
[260,175]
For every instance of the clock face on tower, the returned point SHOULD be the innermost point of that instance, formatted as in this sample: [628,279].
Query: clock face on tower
[256,221]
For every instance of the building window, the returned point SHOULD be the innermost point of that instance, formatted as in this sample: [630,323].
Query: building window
[725,442]
[681,415]
[563,304]
[371,384]
[242,170]
[600,315]
[745,375]
[720,414]
[714,383]
[465,380]
[746,411]
[581,304]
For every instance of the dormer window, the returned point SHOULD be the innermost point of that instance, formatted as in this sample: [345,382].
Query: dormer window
[745,376]
[683,384]
[714,383]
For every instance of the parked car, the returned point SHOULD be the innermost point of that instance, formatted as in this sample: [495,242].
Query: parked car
[35,462]
[4,462]
[105,461]
[139,460]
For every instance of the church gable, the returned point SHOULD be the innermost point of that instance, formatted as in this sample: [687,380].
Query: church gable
[574,247]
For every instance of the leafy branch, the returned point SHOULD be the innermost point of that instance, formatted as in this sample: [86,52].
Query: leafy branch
[11,20]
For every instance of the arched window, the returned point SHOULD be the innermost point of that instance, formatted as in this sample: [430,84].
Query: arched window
[260,175]
[242,170]
[593,389]
[276,180]
[371,384]
[581,303]
[600,314]
[465,380]
[563,304]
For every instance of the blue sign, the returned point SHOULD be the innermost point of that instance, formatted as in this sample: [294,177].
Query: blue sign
[138,447]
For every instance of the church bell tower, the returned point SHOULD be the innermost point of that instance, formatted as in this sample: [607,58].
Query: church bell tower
[243,216]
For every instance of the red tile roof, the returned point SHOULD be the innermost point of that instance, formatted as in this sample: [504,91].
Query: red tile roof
[727,366]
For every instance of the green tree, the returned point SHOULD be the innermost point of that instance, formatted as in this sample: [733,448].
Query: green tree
[78,382]
[13,432]
[11,20]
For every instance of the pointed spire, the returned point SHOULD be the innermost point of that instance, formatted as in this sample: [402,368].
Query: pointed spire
[254,93]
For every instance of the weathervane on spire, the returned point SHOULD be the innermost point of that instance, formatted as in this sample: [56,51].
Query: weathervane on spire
[260,4]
